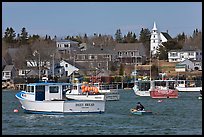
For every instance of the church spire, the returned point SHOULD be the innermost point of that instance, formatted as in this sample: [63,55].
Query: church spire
[154,28]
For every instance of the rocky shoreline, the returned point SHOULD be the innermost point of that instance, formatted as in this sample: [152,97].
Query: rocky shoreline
[8,85]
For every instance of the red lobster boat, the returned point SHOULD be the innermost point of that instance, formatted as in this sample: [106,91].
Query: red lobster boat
[163,89]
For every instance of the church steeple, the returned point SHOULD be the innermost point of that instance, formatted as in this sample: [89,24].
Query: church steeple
[154,27]
[155,40]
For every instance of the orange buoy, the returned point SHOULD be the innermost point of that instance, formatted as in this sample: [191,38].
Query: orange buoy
[83,90]
[15,110]
[95,90]
[89,88]
[86,88]
[83,86]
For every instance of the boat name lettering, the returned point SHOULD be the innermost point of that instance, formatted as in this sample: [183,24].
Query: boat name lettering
[86,104]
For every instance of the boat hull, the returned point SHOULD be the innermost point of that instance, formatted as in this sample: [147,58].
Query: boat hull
[143,112]
[188,89]
[85,97]
[112,96]
[61,106]
[142,93]
[156,93]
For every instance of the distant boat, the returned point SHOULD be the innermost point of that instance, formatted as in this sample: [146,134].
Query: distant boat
[50,98]
[163,89]
[141,112]
[141,88]
[96,91]
[187,86]
[80,91]
[154,88]
[111,93]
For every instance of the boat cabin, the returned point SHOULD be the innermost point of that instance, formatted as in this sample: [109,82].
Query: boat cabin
[165,84]
[46,91]
[143,85]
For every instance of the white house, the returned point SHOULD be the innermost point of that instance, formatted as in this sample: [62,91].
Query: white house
[65,45]
[9,72]
[181,55]
[188,65]
[157,38]
[34,63]
[69,67]
[23,72]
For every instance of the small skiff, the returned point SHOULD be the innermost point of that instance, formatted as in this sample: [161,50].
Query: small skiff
[142,112]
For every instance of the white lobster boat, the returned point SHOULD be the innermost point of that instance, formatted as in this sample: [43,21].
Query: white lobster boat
[96,91]
[187,86]
[111,93]
[142,88]
[50,98]
[79,91]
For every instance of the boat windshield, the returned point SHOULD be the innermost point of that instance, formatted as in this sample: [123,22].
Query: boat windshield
[143,85]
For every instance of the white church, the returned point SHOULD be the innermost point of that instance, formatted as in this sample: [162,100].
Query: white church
[157,38]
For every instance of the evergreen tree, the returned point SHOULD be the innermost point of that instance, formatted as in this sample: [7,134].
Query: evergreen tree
[133,40]
[145,35]
[118,36]
[23,36]
[9,35]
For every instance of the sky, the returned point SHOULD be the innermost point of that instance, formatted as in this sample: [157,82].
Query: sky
[77,18]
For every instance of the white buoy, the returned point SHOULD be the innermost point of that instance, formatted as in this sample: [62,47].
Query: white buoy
[159,100]
[15,110]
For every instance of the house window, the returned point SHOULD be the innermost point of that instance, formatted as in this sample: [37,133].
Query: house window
[83,57]
[66,65]
[91,57]
[65,45]
[67,72]
[119,53]
[106,56]
[154,36]
[23,72]
[190,53]
[154,41]
[7,73]
[132,54]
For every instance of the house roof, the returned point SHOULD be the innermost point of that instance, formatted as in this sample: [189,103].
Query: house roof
[33,72]
[166,35]
[8,67]
[12,52]
[131,46]
[184,50]
[75,64]
[97,50]
[68,41]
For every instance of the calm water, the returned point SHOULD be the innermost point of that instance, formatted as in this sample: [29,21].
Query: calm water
[182,116]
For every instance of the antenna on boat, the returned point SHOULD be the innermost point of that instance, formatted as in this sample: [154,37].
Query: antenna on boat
[150,71]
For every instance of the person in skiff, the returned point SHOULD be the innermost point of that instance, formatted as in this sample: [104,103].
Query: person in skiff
[139,106]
